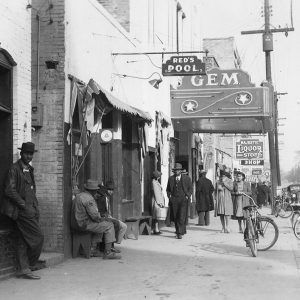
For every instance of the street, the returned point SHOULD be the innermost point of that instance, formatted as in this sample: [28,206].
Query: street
[205,264]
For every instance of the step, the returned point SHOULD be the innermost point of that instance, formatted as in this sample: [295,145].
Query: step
[52,258]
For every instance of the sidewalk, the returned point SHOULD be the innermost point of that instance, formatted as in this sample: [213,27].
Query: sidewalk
[205,264]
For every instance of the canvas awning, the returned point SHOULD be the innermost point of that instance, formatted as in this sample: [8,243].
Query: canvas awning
[94,88]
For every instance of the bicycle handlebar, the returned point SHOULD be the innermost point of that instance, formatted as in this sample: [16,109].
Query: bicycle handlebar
[249,198]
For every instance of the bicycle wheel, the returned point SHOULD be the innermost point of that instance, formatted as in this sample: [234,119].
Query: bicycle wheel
[285,210]
[252,238]
[295,216]
[297,228]
[267,231]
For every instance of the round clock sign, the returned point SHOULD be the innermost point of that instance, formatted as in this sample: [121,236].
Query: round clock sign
[106,135]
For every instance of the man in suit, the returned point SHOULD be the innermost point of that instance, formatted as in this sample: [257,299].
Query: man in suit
[179,191]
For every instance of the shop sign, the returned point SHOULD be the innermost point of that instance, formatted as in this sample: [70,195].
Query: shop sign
[250,149]
[252,162]
[183,66]
[257,172]
[219,93]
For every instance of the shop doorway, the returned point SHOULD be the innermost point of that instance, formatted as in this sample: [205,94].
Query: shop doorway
[6,129]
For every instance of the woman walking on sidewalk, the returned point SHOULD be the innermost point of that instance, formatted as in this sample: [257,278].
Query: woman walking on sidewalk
[158,201]
[224,207]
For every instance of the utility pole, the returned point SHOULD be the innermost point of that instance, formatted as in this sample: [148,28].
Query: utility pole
[267,35]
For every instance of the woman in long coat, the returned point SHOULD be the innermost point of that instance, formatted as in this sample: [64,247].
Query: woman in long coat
[204,198]
[158,201]
[224,206]
[240,187]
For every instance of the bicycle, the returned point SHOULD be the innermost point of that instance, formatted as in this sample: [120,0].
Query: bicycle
[261,232]
[296,227]
[283,208]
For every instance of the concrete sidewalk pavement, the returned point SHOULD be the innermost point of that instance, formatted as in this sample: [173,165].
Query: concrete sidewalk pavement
[205,264]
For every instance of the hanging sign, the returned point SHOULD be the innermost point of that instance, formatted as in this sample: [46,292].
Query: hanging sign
[249,149]
[183,65]
[252,162]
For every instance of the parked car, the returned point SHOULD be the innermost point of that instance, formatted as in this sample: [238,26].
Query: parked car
[293,195]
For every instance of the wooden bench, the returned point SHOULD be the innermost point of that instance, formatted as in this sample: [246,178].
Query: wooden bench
[81,243]
[138,225]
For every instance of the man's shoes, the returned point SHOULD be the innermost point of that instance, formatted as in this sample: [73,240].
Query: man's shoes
[111,255]
[115,250]
[157,232]
[41,264]
[28,276]
[96,253]
[179,236]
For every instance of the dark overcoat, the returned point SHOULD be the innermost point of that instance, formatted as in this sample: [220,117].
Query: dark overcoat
[263,194]
[13,199]
[204,197]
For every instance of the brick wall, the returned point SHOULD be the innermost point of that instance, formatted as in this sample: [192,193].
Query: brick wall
[15,38]
[7,251]
[15,32]
[48,161]
[119,9]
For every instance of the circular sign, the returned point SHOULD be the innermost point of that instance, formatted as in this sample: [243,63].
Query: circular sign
[106,135]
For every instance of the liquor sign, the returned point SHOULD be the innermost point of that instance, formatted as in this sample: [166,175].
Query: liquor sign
[252,162]
[183,65]
[249,149]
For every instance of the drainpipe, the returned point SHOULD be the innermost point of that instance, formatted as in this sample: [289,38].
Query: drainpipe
[178,9]
[37,60]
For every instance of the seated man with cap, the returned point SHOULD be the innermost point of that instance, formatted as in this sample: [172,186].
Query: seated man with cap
[103,199]
[88,218]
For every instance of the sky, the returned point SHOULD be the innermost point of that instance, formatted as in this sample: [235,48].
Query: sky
[228,18]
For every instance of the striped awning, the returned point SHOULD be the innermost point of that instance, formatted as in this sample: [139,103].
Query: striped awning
[94,88]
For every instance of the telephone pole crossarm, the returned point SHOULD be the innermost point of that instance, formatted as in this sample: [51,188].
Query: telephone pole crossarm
[287,29]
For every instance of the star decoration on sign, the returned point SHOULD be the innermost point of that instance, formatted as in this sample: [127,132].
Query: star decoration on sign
[243,98]
[190,106]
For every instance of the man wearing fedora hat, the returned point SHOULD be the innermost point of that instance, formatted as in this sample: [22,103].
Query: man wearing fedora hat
[20,204]
[103,199]
[204,198]
[88,218]
[179,191]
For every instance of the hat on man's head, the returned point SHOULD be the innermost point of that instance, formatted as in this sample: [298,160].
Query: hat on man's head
[91,185]
[28,147]
[178,166]
[110,185]
[156,174]
[240,173]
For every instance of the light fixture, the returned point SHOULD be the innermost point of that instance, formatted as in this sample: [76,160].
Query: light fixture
[154,82]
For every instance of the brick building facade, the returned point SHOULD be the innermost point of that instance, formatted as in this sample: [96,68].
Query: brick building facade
[15,104]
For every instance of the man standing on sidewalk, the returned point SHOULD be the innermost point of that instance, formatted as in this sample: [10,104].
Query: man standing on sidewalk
[204,198]
[21,205]
[179,191]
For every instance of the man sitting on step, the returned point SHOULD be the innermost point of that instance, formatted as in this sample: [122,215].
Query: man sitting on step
[88,218]
[103,199]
